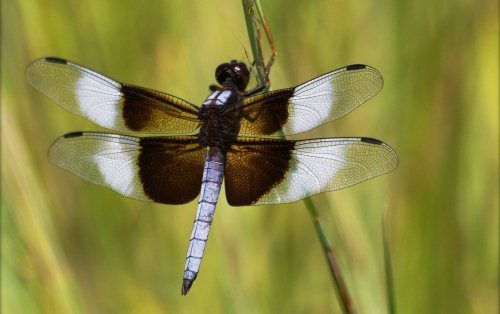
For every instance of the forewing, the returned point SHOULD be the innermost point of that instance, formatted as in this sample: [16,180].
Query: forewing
[275,171]
[325,98]
[159,169]
[111,104]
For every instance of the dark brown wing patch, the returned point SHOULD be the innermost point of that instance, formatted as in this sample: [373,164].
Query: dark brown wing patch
[171,170]
[267,113]
[147,110]
[254,167]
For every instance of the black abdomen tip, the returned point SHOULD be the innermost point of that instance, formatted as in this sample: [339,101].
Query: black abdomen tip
[186,285]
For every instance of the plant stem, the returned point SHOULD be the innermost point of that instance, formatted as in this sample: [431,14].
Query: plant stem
[338,279]
[389,279]
[254,38]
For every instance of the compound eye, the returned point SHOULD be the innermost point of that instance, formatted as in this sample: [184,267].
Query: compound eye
[222,73]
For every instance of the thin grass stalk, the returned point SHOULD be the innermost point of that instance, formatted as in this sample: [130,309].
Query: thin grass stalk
[389,278]
[254,38]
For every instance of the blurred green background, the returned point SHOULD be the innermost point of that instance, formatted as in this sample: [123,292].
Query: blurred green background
[71,247]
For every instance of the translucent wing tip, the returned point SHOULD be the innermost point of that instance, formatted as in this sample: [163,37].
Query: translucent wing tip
[391,157]
[33,73]
[377,77]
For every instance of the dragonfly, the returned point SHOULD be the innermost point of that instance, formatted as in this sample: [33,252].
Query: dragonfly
[183,150]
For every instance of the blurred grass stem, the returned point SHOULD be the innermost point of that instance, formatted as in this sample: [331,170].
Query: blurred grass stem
[389,278]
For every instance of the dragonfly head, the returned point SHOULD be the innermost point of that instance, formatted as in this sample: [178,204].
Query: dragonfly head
[234,71]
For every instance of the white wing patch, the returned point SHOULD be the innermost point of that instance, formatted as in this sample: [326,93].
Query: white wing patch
[305,109]
[105,159]
[331,96]
[117,167]
[312,172]
[89,92]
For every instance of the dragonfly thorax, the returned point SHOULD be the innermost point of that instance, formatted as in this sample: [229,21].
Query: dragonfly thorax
[220,118]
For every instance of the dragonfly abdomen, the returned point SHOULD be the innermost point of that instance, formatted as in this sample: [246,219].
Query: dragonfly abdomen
[213,173]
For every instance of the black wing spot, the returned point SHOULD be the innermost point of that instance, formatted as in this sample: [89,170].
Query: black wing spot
[355,67]
[56,60]
[73,134]
[371,140]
